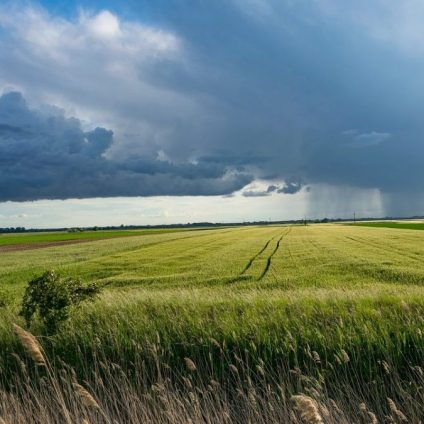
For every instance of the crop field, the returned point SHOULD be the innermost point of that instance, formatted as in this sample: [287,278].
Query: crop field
[402,225]
[29,240]
[335,312]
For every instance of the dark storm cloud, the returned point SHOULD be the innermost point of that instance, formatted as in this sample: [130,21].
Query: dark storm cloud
[290,188]
[50,156]
[301,75]
[217,94]
[272,188]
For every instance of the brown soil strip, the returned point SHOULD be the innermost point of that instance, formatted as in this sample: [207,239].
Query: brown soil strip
[45,244]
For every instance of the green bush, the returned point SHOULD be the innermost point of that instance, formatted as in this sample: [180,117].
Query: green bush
[51,298]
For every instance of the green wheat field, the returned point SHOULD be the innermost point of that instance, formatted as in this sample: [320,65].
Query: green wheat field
[320,323]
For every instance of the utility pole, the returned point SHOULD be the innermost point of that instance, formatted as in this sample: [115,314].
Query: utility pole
[354,217]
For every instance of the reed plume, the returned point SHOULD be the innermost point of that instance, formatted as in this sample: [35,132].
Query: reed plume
[396,412]
[367,413]
[316,357]
[233,368]
[30,344]
[344,356]
[308,409]
[86,398]
[191,366]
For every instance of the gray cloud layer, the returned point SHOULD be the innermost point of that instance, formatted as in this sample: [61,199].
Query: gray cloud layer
[49,156]
[285,92]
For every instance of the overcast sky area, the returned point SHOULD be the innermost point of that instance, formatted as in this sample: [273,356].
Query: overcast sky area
[151,112]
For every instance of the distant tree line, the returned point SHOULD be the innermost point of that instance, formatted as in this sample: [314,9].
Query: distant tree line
[197,225]
[13,230]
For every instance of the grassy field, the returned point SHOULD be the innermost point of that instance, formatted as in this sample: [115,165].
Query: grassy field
[405,225]
[333,311]
[49,237]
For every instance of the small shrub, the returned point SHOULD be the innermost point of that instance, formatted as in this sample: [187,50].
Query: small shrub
[51,298]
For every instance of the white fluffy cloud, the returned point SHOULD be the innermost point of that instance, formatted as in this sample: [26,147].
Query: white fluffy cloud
[98,68]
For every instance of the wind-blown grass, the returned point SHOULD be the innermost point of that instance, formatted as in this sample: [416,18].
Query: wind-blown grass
[226,385]
[337,317]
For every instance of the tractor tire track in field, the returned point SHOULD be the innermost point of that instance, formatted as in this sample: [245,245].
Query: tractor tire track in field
[269,259]
[251,260]
[242,275]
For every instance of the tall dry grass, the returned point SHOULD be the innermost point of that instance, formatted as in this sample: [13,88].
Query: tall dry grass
[46,390]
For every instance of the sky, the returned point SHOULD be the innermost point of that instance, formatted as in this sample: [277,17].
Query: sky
[142,112]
